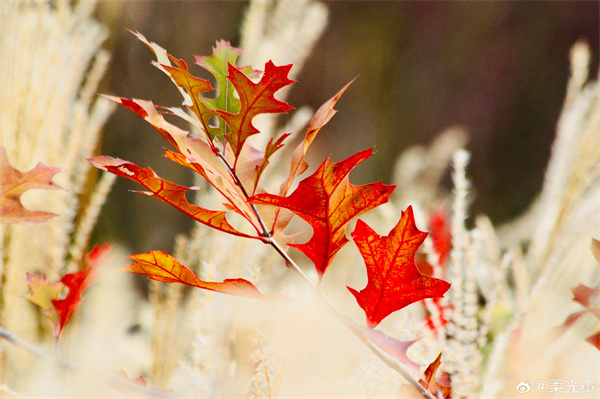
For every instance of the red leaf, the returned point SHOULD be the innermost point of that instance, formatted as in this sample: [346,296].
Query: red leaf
[320,119]
[14,183]
[430,382]
[255,98]
[588,297]
[165,191]
[441,235]
[160,266]
[393,279]
[46,295]
[594,340]
[328,202]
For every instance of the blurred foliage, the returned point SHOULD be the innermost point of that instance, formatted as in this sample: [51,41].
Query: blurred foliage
[497,68]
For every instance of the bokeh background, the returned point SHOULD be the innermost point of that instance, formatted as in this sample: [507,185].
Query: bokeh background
[499,69]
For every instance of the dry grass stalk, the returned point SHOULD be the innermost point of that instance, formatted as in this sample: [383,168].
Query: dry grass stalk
[51,66]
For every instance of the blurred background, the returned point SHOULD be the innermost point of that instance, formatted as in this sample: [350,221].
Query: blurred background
[498,69]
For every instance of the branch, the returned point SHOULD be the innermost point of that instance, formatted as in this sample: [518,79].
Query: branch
[114,378]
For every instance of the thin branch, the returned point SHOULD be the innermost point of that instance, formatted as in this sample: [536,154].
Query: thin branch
[115,378]
[381,354]
[12,338]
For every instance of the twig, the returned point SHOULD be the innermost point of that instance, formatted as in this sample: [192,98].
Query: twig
[12,338]
[115,378]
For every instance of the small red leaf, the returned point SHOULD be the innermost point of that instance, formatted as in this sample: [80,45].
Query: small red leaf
[441,235]
[14,183]
[46,295]
[161,266]
[328,202]
[393,278]
[594,340]
[430,382]
[255,98]
[588,297]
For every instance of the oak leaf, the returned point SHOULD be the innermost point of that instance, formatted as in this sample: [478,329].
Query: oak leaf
[393,278]
[165,191]
[47,295]
[160,266]
[587,297]
[255,99]
[328,202]
[319,119]
[14,183]
[431,384]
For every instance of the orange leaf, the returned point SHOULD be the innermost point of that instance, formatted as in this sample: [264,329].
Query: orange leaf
[594,339]
[328,202]
[46,295]
[255,98]
[320,119]
[588,297]
[393,278]
[430,382]
[14,183]
[165,191]
[161,266]
[272,147]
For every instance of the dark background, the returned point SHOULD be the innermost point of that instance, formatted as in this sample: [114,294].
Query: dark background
[497,68]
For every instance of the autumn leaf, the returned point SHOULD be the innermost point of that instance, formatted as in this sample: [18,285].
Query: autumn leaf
[587,297]
[393,278]
[392,346]
[271,148]
[47,295]
[255,99]
[161,266]
[166,191]
[218,65]
[441,235]
[189,86]
[14,183]
[328,202]
[279,218]
[430,382]
[320,119]
[594,339]
[42,293]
